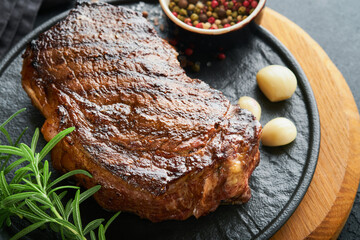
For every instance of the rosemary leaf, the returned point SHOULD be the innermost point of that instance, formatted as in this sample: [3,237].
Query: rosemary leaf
[31,194]
[28,229]
[76,212]
[35,140]
[92,226]
[50,145]
[67,175]
[12,117]
[111,220]
[12,199]
[11,150]
[57,202]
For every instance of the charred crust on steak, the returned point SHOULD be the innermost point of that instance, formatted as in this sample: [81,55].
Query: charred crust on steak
[139,119]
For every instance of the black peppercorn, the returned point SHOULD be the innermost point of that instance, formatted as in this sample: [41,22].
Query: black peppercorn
[183,3]
[221,12]
[203,17]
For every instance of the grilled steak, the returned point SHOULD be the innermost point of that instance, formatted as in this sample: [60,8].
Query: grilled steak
[161,144]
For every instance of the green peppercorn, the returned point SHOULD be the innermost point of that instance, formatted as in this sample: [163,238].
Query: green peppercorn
[244,17]
[183,3]
[181,18]
[194,17]
[210,9]
[176,1]
[200,5]
[230,4]
[229,18]
[195,23]
[239,18]
[215,15]
[197,10]
[228,12]
[209,14]
[203,17]
[196,67]
[242,10]
[172,5]
[251,11]
[208,3]
[234,14]
[232,23]
[183,12]
[191,7]
[176,9]
[220,26]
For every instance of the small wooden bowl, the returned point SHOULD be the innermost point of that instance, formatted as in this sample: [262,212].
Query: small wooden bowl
[165,6]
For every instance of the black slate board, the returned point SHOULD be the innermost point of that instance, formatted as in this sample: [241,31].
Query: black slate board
[284,173]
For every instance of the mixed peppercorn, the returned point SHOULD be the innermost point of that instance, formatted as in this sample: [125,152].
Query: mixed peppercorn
[214,14]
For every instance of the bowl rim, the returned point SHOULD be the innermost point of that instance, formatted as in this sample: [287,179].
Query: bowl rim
[165,6]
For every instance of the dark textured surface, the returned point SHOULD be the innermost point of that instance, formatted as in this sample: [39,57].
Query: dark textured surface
[281,179]
[17,19]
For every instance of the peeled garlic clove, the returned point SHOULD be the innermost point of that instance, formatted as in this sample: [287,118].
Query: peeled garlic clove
[252,105]
[276,82]
[279,131]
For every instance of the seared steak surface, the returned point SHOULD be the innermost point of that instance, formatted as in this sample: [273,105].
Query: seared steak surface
[161,144]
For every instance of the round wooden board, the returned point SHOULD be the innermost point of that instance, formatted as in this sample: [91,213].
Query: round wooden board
[329,199]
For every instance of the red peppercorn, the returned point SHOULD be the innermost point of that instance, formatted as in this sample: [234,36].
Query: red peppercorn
[246,3]
[173,42]
[227,25]
[189,52]
[221,56]
[187,20]
[175,14]
[189,23]
[226,5]
[236,6]
[211,20]
[254,4]
[199,25]
[214,4]
[214,27]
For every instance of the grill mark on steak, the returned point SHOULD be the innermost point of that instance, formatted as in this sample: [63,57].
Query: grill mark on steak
[161,144]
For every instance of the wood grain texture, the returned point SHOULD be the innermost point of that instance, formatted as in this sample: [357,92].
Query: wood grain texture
[328,201]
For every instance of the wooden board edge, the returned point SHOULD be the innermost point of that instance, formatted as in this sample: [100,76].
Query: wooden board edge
[332,224]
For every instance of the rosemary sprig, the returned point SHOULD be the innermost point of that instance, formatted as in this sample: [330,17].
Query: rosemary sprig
[31,194]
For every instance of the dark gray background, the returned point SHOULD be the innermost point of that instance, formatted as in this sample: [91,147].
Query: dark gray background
[333,24]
